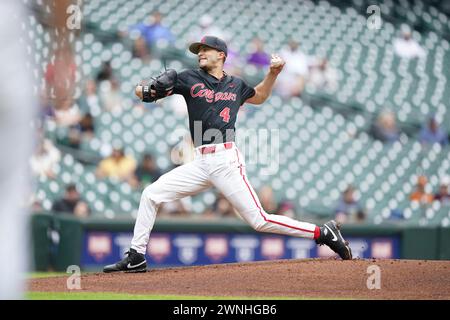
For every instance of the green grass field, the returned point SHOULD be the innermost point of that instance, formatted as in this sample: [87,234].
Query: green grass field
[36,275]
[123,296]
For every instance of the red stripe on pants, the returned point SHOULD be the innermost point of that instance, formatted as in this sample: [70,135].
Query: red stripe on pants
[260,210]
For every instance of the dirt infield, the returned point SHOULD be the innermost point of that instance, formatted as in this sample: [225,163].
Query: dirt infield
[314,278]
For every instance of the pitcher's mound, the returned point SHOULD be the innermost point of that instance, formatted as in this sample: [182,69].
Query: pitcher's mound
[314,278]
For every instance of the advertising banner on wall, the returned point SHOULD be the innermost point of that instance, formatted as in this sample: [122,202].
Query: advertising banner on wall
[188,249]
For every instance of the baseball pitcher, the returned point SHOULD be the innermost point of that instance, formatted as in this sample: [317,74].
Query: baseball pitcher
[213,99]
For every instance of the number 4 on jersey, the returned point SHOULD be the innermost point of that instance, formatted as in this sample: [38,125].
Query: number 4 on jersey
[225,114]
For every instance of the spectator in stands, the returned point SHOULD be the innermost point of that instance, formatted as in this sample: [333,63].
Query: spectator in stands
[178,208]
[431,133]
[286,208]
[221,208]
[258,57]
[89,105]
[106,72]
[71,203]
[153,32]
[385,127]
[291,81]
[267,199]
[420,194]
[82,131]
[87,126]
[146,173]
[443,195]
[45,158]
[117,165]
[140,50]
[73,138]
[110,95]
[322,76]
[89,102]
[109,88]
[406,47]
[68,115]
[348,208]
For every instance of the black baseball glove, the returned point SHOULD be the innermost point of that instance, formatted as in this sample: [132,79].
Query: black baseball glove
[161,86]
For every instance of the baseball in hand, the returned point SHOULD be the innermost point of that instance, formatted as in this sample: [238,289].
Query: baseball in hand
[276,61]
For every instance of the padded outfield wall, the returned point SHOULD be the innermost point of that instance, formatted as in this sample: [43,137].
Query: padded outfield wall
[63,240]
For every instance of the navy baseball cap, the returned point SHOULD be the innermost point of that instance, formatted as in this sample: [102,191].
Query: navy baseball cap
[209,41]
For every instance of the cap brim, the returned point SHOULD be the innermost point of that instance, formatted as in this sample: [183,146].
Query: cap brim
[195,47]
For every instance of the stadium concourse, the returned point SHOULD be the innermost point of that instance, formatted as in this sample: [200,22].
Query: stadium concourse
[326,140]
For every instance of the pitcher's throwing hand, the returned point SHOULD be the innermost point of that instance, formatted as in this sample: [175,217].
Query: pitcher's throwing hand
[276,64]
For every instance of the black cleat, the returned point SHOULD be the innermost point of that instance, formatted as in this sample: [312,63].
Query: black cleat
[331,236]
[133,262]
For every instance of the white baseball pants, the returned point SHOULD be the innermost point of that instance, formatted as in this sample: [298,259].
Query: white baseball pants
[224,169]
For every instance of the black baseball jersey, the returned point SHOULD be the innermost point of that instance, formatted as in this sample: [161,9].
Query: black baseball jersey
[212,104]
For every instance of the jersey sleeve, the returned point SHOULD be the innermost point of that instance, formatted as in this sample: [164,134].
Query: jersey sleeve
[246,92]
[182,85]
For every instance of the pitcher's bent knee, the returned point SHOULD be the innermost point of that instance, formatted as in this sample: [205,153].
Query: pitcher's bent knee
[259,225]
[149,193]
